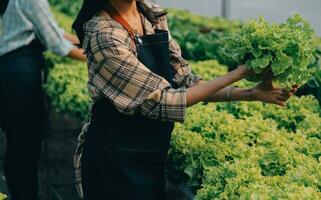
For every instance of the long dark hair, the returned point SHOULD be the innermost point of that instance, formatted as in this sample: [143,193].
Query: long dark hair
[91,7]
[3,6]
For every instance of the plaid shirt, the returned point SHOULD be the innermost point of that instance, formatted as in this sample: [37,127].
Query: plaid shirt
[115,73]
[24,20]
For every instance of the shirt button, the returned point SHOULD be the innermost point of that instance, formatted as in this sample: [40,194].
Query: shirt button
[140,41]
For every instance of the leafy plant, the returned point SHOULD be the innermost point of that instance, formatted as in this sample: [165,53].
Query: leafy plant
[186,18]
[248,149]
[209,69]
[280,51]
[64,21]
[274,163]
[66,86]
[199,36]
[315,83]
[225,157]
[70,7]
[3,196]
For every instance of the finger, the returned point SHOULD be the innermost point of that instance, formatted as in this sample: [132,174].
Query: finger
[280,103]
[282,98]
[282,92]
[287,94]
[278,91]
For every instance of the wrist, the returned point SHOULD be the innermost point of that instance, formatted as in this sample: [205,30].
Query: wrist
[241,72]
[237,75]
[250,94]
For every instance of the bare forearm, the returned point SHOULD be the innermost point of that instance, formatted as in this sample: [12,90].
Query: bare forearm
[204,90]
[236,94]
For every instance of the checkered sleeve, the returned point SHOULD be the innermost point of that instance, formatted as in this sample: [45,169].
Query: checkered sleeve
[183,75]
[130,85]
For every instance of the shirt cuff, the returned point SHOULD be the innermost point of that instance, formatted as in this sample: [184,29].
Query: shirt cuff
[61,31]
[194,79]
[173,105]
[64,49]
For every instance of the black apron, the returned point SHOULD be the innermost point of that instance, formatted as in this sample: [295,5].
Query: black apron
[124,156]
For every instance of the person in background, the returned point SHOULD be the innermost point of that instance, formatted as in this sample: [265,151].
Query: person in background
[27,28]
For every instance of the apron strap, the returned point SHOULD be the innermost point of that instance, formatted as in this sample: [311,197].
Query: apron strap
[115,15]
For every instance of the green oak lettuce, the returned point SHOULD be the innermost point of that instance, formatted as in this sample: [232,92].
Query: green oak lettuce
[66,87]
[282,52]
[251,155]
[2,196]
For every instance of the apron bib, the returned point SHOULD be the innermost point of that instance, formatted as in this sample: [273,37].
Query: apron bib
[129,152]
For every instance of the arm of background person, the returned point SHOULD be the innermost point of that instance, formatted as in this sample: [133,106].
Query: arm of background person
[72,38]
[77,54]
[47,30]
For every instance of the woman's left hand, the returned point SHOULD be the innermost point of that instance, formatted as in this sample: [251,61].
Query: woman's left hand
[266,92]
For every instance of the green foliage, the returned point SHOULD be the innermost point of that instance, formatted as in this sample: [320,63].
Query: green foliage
[248,150]
[288,118]
[199,36]
[67,89]
[273,163]
[198,22]
[70,7]
[209,69]
[66,79]
[3,196]
[64,20]
[284,51]
[225,156]
[316,61]
[314,85]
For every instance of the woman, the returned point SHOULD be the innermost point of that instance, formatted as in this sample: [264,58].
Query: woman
[140,86]
[27,28]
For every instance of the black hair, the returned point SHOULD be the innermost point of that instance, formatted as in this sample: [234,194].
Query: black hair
[91,7]
[3,6]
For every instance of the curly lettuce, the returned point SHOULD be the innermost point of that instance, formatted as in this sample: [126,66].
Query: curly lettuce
[281,52]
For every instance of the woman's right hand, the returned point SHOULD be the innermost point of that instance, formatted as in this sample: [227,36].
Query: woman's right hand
[266,92]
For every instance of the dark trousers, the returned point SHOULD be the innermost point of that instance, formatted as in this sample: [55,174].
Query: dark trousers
[22,119]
